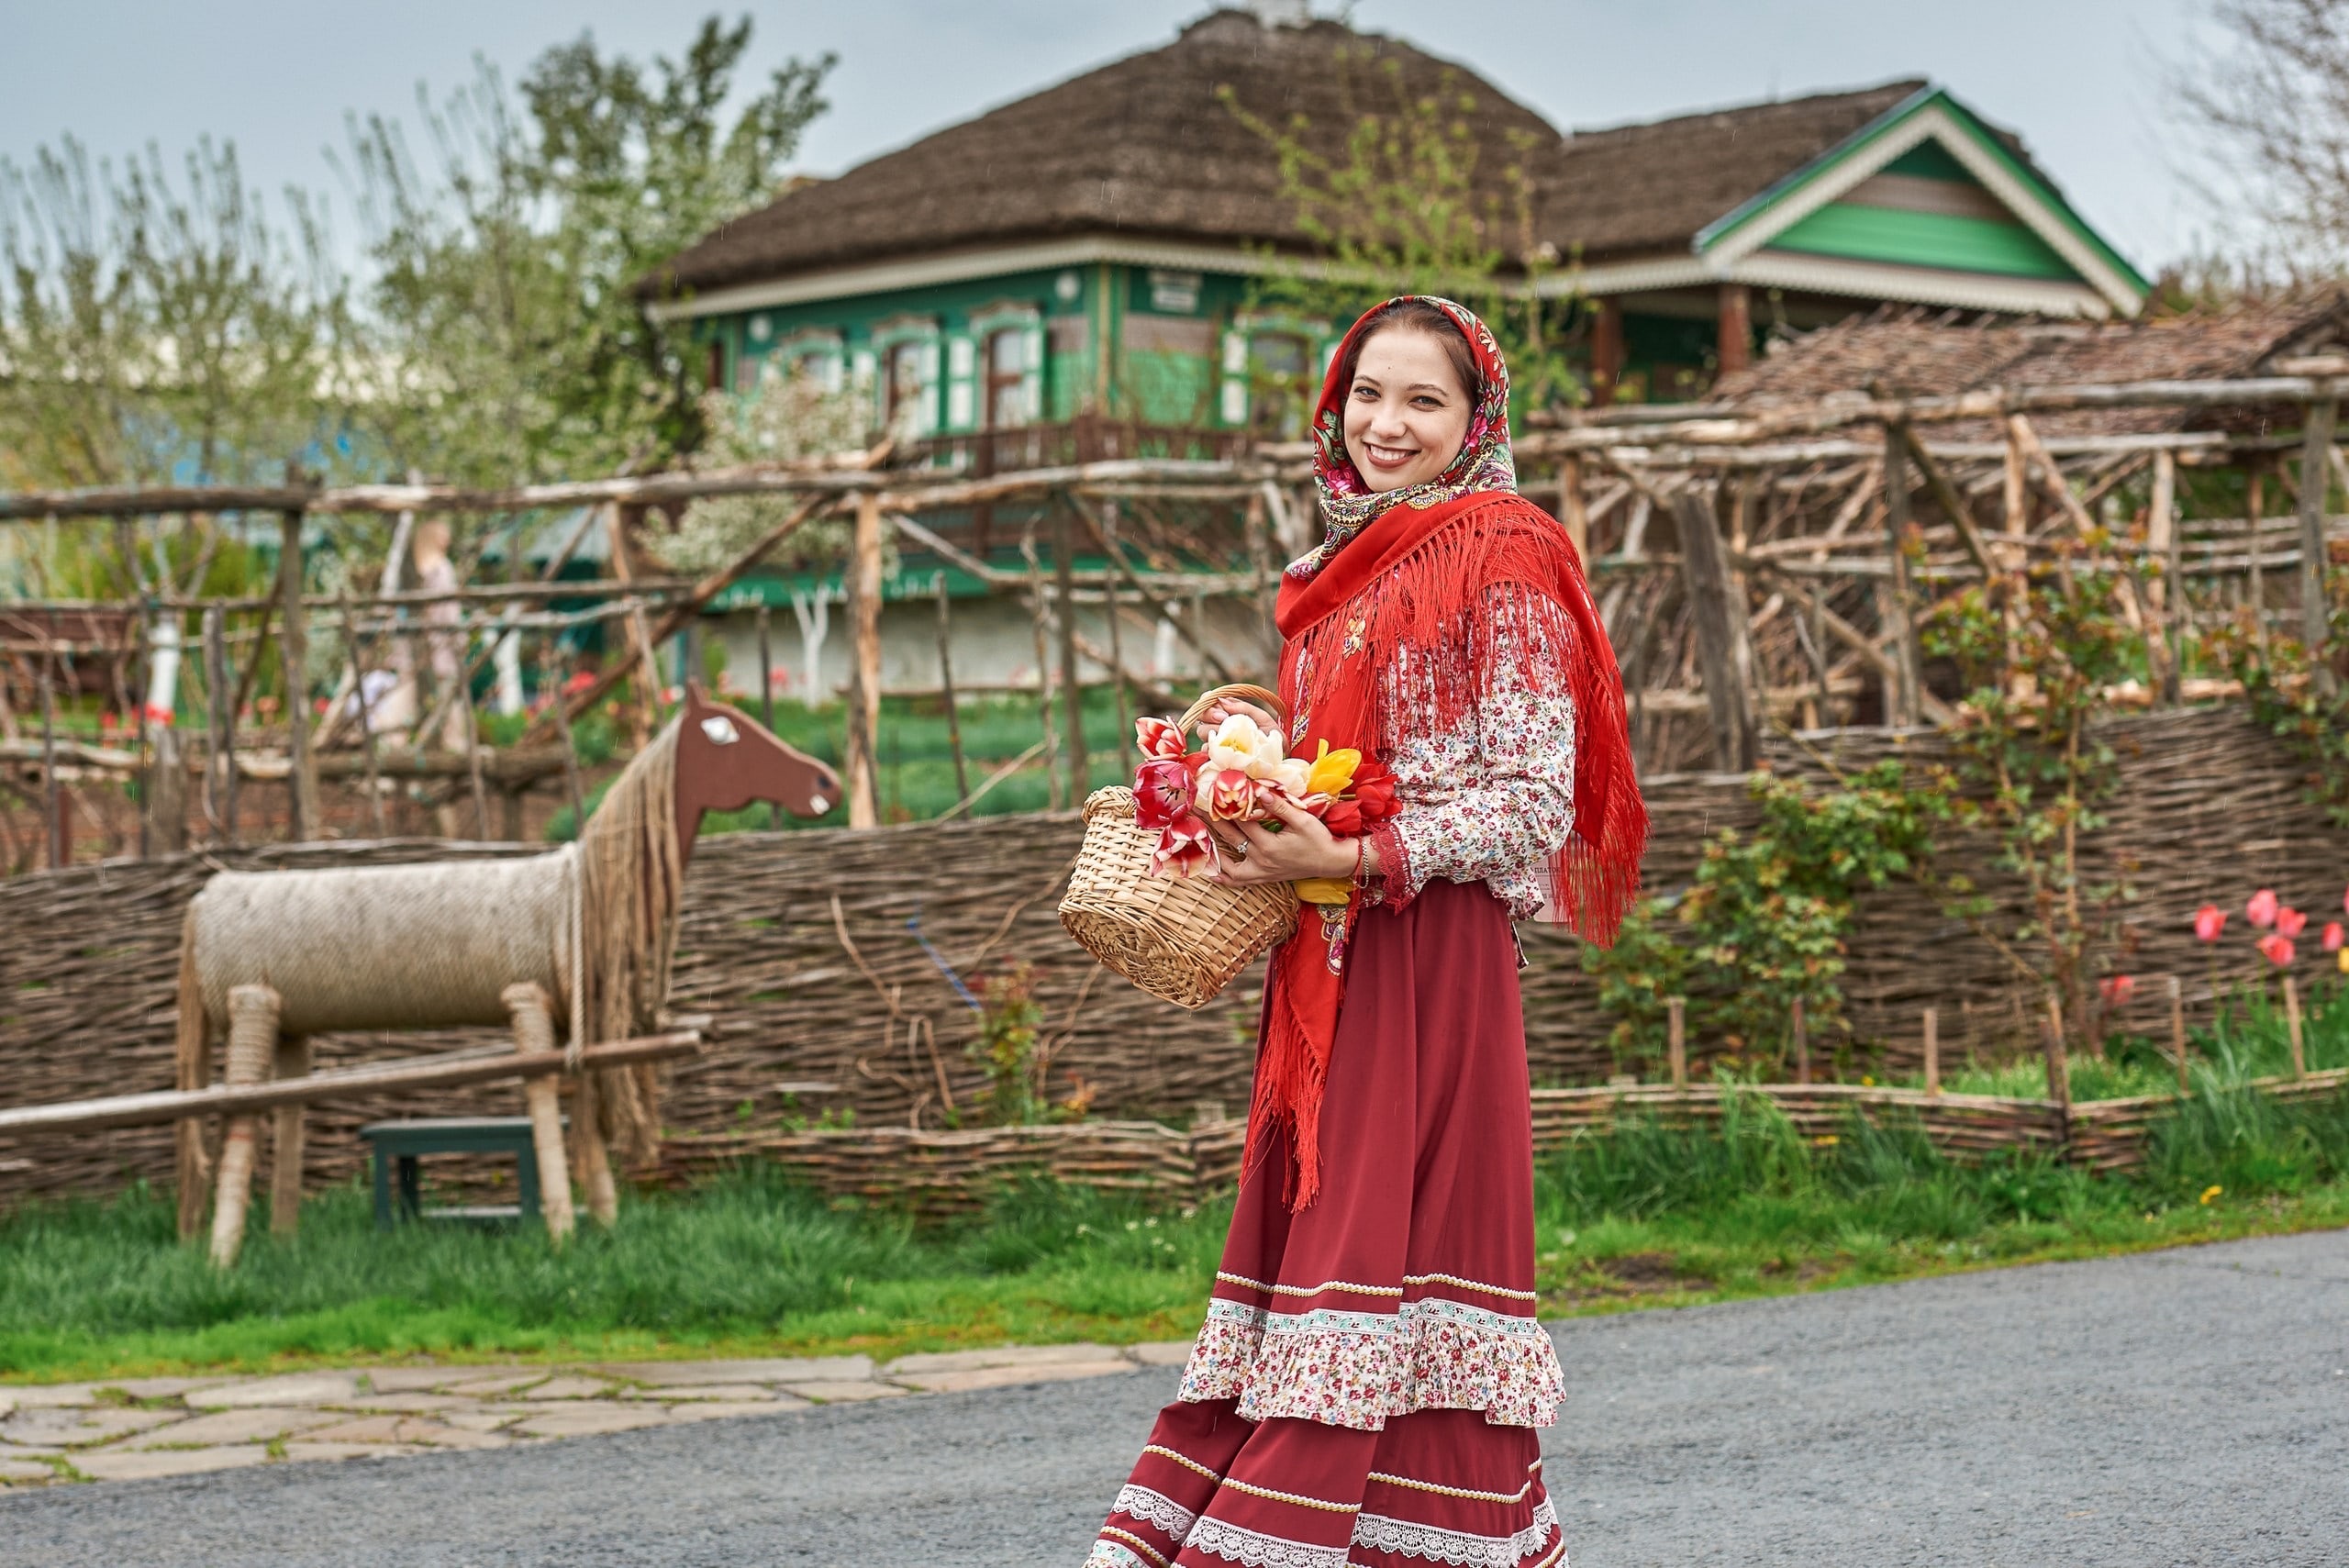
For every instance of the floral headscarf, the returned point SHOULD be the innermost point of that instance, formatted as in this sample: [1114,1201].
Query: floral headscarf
[1348,504]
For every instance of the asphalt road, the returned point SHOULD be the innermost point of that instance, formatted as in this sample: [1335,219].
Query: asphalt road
[2181,1407]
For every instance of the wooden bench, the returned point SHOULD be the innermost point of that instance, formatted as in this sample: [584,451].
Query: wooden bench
[404,1143]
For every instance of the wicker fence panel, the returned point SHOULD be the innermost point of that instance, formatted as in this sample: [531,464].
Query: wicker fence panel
[856,1003]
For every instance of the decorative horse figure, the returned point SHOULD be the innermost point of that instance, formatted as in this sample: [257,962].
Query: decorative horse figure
[583,933]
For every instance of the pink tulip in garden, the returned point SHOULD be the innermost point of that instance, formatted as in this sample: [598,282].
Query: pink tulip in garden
[2261,910]
[2208,921]
[2276,949]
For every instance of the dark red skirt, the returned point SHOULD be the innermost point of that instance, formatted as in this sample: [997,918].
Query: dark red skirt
[1368,1383]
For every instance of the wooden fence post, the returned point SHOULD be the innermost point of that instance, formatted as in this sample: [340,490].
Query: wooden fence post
[2059,1065]
[946,689]
[55,828]
[1572,512]
[252,1046]
[220,699]
[862,751]
[1724,644]
[1933,1052]
[1675,1012]
[165,809]
[1802,1045]
[292,646]
[526,1005]
[766,694]
[2292,1025]
[1072,687]
[292,1060]
[2167,591]
[2177,1034]
[1901,712]
[2316,485]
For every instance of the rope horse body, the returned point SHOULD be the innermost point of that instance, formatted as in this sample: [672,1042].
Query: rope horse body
[578,939]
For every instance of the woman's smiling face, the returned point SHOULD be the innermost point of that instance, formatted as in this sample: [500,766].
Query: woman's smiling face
[1407,412]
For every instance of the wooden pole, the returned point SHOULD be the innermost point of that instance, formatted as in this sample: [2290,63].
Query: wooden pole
[639,635]
[2166,593]
[398,1077]
[220,695]
[1606,352]
[473,755]
[1072,686]
[2316,488]
[163,815]
[2292,1027]
[946,690]
[533,1019]
[252,1046]
[2059,1066]
[1802,1044]
[1902,710]
[1733,324]
[554,666]
[2177,1034]
[1933,1052]
[366,715]
[1676,1016]
[766,695]
[1571,510]
[1122,728]
[1724,641]
[2253,500]
[293,644]
[53,795]
[861,754]
[292,1059]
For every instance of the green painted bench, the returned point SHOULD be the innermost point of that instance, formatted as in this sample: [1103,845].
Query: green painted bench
[400,1144]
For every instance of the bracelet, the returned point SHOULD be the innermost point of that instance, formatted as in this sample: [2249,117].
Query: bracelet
[1361,857]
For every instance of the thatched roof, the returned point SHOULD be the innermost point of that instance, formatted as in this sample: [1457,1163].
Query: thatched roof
[1651,187]
[1913,353]
[1147,147]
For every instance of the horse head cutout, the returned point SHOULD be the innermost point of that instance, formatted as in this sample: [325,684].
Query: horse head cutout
[726,759]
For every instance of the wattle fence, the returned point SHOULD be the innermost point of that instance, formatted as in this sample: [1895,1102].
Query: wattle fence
[822,959]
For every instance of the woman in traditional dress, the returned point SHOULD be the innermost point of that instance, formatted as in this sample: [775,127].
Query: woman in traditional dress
[1368,1384]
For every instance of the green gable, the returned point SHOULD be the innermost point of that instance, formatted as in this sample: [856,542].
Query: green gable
[1866,233]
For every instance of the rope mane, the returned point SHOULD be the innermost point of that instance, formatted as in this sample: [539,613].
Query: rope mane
[631,881]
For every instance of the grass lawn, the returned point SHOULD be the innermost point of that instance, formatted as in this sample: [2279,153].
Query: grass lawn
[751,1265]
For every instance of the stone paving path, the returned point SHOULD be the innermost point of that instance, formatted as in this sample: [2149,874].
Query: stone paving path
[134,1428]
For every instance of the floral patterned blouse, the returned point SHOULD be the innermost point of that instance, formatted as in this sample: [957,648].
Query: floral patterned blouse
[1490,800]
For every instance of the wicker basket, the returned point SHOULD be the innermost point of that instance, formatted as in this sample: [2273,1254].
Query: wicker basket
[1182,939]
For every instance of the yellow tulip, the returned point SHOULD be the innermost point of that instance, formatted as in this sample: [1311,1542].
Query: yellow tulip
[1332,771]
[1325,889]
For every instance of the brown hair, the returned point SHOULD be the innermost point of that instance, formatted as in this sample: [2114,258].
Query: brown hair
[1419,316]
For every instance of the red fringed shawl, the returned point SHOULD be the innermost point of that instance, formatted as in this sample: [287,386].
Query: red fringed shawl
[1397,626]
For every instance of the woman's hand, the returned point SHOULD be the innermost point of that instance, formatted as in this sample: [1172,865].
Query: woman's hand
[1224,707]
[1302,848]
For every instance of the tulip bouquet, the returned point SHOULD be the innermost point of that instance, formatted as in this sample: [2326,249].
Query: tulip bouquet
[1237,770]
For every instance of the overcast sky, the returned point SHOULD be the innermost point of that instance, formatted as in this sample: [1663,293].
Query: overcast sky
[2081,79]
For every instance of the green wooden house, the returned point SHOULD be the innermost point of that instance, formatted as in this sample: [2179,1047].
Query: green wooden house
[1087,253]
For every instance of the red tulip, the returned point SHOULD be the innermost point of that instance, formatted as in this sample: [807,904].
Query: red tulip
[1374,791]
[2116,989]
[2208,921]
[1342,818]
[1162,794]
[2333,936]
[1184,849]
[2276,950]
[2290,921]
[1158,739]
[2261,910]
[1232,796]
